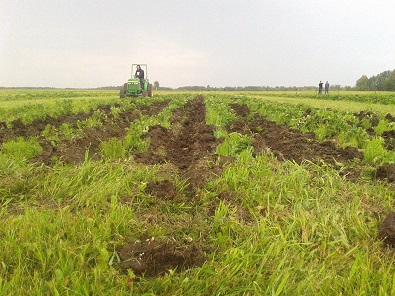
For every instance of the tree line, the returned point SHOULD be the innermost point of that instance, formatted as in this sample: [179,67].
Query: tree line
[385,81]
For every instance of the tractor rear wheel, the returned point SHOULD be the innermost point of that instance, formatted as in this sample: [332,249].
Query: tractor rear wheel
[149,90]
[145,93]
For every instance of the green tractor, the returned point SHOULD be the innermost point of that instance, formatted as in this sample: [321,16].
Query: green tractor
[138,84]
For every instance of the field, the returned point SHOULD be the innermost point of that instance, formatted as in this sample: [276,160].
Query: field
[237,193]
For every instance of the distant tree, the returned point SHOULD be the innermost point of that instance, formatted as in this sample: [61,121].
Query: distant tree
[336,87]
[362,83]
[156,85]
[383,78]
[377,82]
[389,83]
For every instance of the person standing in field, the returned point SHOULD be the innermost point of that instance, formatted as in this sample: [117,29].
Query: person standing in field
[320,87]
[140,75]
[327,87]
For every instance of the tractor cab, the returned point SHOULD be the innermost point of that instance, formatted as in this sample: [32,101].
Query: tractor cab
[138,83]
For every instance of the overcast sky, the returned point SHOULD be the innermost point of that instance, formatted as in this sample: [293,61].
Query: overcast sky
[218,42]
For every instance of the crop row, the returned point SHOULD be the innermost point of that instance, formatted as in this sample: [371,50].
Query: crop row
[385,98]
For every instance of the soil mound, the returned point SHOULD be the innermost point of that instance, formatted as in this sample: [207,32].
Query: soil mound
[240,110]
[161,189]
[386,172]
[151,258]
[387,230]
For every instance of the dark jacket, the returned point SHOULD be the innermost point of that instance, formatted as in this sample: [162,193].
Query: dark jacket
[139,74]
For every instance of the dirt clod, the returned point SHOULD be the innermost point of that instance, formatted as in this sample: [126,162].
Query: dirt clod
[386,172]
[151,258]
[161,189]
[387,230]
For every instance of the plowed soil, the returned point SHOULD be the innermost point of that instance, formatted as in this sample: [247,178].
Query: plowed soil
[73,151]
[288,144]
[189,146]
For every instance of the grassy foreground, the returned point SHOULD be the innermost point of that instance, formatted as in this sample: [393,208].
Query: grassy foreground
[284,229]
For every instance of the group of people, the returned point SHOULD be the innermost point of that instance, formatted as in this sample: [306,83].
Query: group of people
[320,85]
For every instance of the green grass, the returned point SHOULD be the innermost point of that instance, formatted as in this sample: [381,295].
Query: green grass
[30,104]
[352,106]
[285,229]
